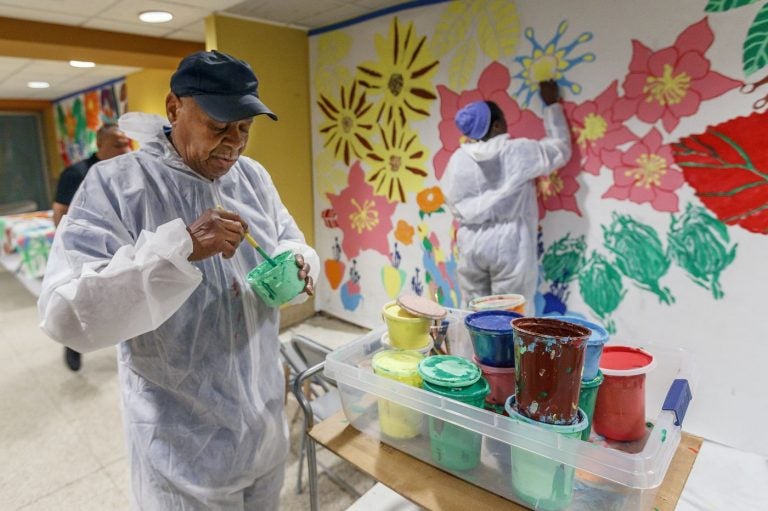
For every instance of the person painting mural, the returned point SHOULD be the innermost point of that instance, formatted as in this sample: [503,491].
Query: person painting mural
[490,189]
[147,261]
[110,142]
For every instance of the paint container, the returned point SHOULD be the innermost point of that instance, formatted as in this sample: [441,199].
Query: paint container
[454,447]
[406,331]
[398,421]
[500,379]
[510,302]
[492,337]
[549,359]
[539,481]
[278,284]
[594,345]
[425,351]
[587,398]
[620,406]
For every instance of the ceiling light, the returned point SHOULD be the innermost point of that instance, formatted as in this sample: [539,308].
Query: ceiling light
[81,63]
[38,85]
[155,16]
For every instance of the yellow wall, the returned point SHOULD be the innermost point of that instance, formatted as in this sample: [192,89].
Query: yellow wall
[147,90]
[280,58]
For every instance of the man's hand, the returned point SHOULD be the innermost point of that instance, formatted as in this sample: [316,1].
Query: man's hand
[309,286]
[216,232]
[549,92]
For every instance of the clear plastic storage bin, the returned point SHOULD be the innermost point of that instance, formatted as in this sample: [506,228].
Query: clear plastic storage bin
[608,476]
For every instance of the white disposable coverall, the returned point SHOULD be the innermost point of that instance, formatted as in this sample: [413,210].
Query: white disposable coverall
[490,189]
[198,355]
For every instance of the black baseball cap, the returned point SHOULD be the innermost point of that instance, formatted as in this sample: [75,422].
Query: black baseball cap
[223,86]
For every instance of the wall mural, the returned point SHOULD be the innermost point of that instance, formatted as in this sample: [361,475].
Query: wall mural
[79,116]
[382,97]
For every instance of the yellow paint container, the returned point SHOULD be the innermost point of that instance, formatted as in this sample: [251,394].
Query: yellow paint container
[406,331]
[398,421]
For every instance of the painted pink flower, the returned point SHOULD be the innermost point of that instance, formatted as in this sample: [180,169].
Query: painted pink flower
[671,83]
[364,218]
[492,85]
[595,128]
[646,172]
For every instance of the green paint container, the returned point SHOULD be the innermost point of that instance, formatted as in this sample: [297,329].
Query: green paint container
[279,284]
[454,447]
[540,482]
[587,399]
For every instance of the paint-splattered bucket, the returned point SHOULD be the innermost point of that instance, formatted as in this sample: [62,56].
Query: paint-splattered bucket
[278,284]
[620,406]
[549,359]
[594,345]
[454,447]
[395,420]
[539,481]
[510,302]
[587,399]
[492,337]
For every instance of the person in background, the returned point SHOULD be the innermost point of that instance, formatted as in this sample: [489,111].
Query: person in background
[110,142]
[147,259]
[490,189]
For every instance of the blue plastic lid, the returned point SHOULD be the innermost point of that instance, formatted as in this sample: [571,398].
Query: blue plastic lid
[492,321]
[599,333]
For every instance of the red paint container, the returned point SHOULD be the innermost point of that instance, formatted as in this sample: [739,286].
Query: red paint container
[620,407]
[501,380]
[549,359]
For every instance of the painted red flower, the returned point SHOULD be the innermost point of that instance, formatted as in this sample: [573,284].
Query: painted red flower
[671,83]
[646,172]
[364,218]
[492,85]
[596,128]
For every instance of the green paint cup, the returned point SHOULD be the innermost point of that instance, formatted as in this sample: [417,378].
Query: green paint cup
[587,399]
[454,447]
[278,284]
[540,482]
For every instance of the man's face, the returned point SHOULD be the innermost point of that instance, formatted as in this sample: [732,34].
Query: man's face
[209,147]
[113,143]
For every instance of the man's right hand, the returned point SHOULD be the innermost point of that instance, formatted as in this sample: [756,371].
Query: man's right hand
[216,232]
[549,92]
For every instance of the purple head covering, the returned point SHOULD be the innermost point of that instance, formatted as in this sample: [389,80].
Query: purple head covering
[474,119]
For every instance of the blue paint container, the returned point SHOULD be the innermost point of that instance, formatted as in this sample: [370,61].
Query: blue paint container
[594,345]
[492,337]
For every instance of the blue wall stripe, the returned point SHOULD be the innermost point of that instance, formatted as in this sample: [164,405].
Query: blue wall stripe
[375,14]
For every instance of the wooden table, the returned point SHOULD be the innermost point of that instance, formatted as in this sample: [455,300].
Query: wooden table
[417,481]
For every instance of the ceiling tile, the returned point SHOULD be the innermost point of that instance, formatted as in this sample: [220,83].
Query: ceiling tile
[127,11]
[42,16]
[333,15]
[284,11]
[119,26]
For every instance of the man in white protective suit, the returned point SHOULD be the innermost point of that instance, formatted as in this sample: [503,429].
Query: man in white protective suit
[490,189]
[147,259]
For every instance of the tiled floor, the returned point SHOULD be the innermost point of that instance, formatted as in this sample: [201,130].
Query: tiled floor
[61,442]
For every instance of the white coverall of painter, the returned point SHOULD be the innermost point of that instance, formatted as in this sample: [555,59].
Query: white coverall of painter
[198,352]
[490,189]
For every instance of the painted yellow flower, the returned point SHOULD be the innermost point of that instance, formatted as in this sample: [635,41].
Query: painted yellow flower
[349,124]
[398,164]
[365,217]
[403,75]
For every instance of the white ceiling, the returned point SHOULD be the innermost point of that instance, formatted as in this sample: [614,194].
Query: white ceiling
[122,16]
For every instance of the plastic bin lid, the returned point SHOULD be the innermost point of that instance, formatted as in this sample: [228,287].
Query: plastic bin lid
[396,362]
[422,307]
[449,371]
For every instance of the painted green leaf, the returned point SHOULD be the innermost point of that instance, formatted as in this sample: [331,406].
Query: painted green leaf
[498,28]
[601,288]
[564,259]
[698,243]
[755,55]
[726,5]
[451,29]
[461,65]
